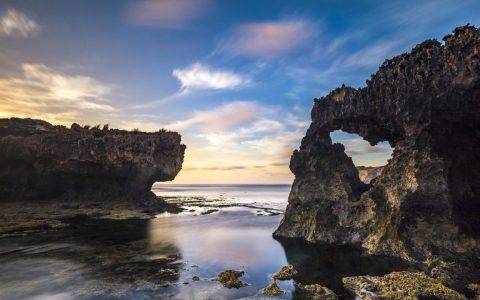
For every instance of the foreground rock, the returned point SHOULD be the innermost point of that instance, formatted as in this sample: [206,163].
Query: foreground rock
[399,286]
[286,273]
[313,292]
[273,290]
[231,279]
[426,202]
[39,161]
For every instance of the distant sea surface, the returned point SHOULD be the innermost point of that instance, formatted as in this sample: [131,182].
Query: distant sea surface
[268,196]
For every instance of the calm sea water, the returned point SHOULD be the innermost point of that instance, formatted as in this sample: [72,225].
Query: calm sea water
[263,196]
[156,259]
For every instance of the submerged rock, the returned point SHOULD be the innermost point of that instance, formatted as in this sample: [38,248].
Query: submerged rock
[286,273]
[426,200]
[313,292]
[209,211]
[40,161]
[399,286]
[273,290]
[231,279]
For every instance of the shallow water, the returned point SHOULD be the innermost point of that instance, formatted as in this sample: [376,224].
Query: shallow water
[151,259]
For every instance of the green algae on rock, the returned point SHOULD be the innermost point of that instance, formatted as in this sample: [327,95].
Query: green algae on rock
[399,286]
[231,279]
[313,292]
[286,273]
[273,290]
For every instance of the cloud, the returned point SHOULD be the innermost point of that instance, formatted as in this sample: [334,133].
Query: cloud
[278,146]
[270,38]
[166,13]
[363,154]
[42,92]
[371,56]
[358,146]
[226,168]
[241,141]
[16,24]
[63,86]
[220,118]
[200,77]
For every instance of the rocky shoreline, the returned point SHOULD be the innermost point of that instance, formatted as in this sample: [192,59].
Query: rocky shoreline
[50,174]
[41,216]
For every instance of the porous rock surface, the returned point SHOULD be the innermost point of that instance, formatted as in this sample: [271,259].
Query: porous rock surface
[40,161]
[426,201]
[368,174]
[399,286]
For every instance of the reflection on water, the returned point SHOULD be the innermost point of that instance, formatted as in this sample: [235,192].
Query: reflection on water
[94,259]
[234,238]
[152,259]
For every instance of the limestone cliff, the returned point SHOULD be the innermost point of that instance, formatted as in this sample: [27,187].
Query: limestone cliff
[426,201]
[40,161]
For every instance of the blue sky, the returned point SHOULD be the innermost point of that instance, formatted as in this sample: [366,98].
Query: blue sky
[235,78]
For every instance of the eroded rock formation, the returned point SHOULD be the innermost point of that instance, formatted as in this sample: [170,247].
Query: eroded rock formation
[39,161]
[426,201]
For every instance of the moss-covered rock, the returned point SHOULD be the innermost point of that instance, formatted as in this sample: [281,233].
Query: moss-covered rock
[273,290]
[286,273]
[313,292]
[399,286]
[230,279]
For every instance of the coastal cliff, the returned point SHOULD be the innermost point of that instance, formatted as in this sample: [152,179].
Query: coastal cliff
[425,203]
[40,161]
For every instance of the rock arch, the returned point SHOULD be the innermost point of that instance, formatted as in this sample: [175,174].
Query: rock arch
[426,202]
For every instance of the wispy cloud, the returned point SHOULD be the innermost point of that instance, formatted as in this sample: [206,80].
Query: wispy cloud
[220,118]
[201,77]
[370,56]
[43,92]
[225,168]
[365,154]
[241,140]
[16,24]
[269,39]
[166,13]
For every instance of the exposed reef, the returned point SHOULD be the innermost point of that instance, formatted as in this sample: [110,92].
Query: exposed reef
[40,161]
[425,204]
[231,279]
[399,286]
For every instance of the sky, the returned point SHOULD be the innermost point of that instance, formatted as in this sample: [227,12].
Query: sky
[236,79]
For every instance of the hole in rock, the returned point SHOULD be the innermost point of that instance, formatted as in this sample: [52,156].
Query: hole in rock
[368,159]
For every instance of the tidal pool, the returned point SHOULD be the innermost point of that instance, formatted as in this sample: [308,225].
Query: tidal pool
[157,258]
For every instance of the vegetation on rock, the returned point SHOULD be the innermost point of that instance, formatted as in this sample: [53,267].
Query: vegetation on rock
[273,290]
[231,279]
[286,273]
[399,286]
